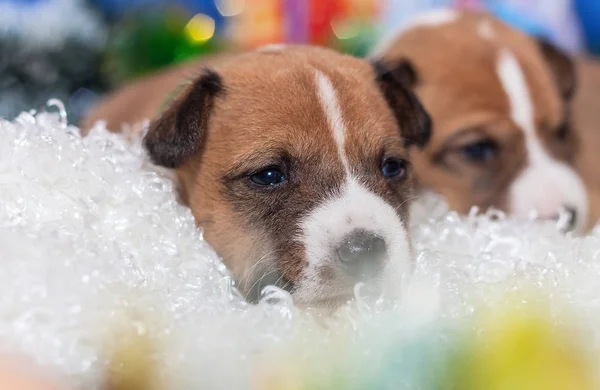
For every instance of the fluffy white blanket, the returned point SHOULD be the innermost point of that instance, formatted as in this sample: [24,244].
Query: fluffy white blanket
[91,239]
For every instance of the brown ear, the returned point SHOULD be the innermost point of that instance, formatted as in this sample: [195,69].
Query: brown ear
[178,133]
[562,68]
[395,83]
[404,71]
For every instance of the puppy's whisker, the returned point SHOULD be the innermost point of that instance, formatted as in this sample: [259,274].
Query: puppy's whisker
[282,277]
[271,266]
[258,263]
[398,208]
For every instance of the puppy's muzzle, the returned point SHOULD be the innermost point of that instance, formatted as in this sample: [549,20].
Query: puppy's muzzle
[362,254]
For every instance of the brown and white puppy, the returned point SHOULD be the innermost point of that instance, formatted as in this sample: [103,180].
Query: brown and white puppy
[294,163]
[499,101]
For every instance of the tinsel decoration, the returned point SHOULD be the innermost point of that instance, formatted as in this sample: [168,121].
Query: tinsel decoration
[50,49]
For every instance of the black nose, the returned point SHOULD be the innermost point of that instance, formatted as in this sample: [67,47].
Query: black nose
[570,215]
[362,254]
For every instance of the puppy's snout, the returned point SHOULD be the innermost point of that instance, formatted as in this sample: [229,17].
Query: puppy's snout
[362,254]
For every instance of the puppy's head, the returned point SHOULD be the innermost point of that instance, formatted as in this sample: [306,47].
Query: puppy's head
[499,103]
[295,164]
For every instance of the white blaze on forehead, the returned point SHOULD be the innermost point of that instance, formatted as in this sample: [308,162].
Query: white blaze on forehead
[546,184]
[330,105]
[431,18]
[485,30]
[354,208]
[272,47]
[513,82]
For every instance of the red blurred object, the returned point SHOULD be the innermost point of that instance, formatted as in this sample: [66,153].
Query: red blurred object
[320,15]
[298,21]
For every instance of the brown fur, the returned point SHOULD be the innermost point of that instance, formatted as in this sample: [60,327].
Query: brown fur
[266,112]
[586,117]
[455,78]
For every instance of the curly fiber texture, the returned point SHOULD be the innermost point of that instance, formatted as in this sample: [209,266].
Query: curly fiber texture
[93,246]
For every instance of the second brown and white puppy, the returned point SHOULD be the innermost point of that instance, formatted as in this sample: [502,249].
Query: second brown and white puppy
[293,160]
[500,106]
[586,120]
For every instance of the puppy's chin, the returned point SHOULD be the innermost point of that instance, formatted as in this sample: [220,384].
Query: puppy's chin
[262,291]
[365,297]
[327,307]
[362,294]
[329,295]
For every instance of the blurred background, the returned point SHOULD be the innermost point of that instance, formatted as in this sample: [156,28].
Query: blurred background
[76,50]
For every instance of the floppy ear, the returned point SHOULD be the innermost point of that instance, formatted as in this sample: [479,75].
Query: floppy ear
[562,68]
[396,83]
[404,71]
[178,133]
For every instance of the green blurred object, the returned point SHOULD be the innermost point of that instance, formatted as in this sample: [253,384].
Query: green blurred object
[153,38]
[145,42]
[358,39]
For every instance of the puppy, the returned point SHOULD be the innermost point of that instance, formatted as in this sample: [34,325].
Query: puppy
[293,160]
[500,103]
[586,119]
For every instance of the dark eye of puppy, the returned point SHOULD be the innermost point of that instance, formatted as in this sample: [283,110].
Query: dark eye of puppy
[270,176]
[480,151]
[393,167]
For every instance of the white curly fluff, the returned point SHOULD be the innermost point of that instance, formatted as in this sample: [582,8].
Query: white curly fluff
[91,236]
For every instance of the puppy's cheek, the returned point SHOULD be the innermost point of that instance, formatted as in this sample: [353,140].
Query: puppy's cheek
[485,190]
[244,250]
[257,256]
[282,267]
[293,262]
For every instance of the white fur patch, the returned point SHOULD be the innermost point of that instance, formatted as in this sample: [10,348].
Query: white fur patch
[356,208]
[272,47]
[485,30]
[334,116]
[431,18]
[546,184]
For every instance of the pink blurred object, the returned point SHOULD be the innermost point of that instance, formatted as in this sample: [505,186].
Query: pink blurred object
[22,374]
[469,4]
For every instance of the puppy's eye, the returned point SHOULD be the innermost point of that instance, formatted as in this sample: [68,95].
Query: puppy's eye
[393,167]
[268,177]
[480,151]
[563,131]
